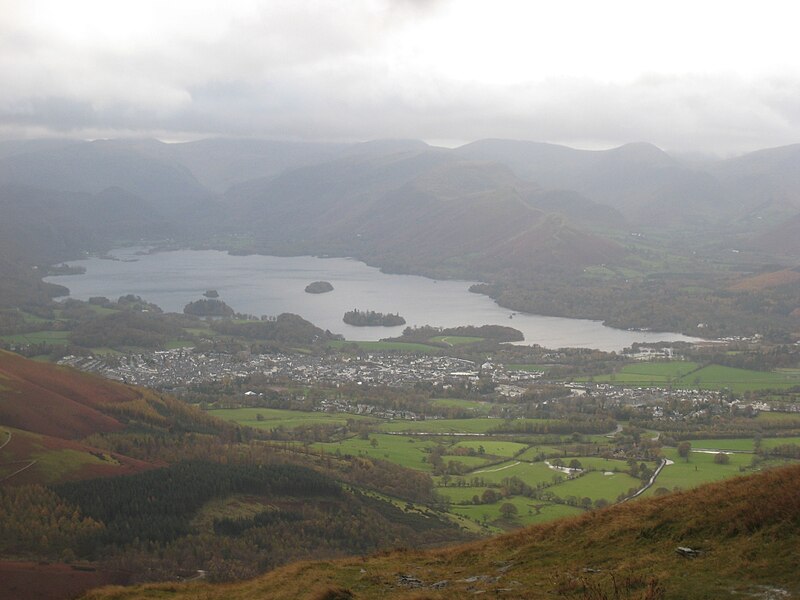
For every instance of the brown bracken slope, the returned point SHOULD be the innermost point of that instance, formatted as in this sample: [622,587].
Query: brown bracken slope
[744,532]
[57,401]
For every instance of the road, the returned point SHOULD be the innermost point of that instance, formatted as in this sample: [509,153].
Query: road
[649,484]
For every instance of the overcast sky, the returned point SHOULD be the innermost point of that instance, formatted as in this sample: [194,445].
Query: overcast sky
[718,76]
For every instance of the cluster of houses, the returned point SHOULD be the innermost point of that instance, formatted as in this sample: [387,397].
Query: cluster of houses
[169,369]
[661,403]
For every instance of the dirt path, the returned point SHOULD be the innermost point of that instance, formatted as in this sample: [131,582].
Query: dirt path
[18,471]
[495,470]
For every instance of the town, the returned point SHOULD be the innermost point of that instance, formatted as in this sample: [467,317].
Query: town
[178,370]
[172,369]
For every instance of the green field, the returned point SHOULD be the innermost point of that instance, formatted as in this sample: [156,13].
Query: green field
[597,485]
[470,462]
[737,444]
[529,511]
[403,450]
[176,343]
[649,373]
[776,417]
[382,346]
[603,464]
[743,444]
[460,495]
[474,405]
[535,450]
[768,443]
[54,338]
[530,473]
[200,331]
[449,426]
[508,449]
[716,377]
[289,419]
[689,375]
[700,469]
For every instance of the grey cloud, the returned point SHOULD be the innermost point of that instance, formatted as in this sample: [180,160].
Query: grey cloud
[361,103]
[289,71]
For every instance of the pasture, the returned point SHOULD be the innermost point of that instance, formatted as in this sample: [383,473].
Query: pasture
[716,377]
[475,406]
[536,450]
[530,473]
[690,375]
[700,469]
[271,418]
[529,512]
[597,485]
[452,426]
[52,338]
[649,373]
[405,451]
[493,448]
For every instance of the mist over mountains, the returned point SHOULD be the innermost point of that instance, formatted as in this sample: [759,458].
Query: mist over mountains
[399,203]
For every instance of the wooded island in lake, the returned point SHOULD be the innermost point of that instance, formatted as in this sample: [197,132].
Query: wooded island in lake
[370,318]
[319,287]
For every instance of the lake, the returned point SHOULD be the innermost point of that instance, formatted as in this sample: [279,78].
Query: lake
[270,285]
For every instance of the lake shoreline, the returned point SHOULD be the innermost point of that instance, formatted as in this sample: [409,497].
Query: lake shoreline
[268,284]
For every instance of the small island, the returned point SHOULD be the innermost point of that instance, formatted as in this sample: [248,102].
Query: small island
[65,269]
[319,287]
[370,318]
[208,308]
[211,294]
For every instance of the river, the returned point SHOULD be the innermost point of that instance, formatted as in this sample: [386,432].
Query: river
[270,285]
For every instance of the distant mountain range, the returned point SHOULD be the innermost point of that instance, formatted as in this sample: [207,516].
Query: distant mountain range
[402,204]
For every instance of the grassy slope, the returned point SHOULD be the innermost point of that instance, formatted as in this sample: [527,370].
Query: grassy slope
[54,460]
[747,528]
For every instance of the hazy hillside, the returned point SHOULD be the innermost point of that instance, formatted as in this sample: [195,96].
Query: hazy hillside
[44,225]
[221,163]
[577,208]
[781,240]
[22,284]
[497,210]
[745,531]
[413,210]
[641,181]
[763,183]
[91,167]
